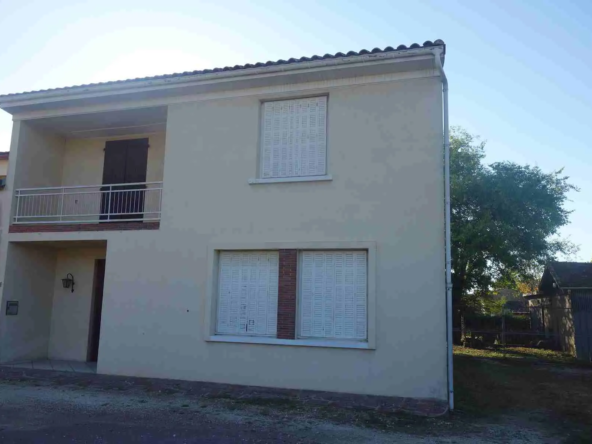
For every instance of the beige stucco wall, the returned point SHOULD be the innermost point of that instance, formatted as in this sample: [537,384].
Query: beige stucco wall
[36,161]
[386,160]
[3,194]
[84,158]
[7,194]
[385,156]
[39,158]
[70,319]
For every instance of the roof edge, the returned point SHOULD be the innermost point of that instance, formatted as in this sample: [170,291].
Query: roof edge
[560,282]
[339,59]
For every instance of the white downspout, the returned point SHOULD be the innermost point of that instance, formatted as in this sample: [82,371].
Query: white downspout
[438,59]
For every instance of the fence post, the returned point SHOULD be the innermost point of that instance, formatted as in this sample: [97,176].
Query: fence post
[504,332]
[543,317]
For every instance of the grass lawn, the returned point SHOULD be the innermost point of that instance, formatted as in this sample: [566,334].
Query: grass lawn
[523,353]
[527,384]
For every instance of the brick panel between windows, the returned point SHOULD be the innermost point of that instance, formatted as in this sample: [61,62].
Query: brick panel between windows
[286,321]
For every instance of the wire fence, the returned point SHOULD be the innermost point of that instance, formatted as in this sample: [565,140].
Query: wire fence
[537,326]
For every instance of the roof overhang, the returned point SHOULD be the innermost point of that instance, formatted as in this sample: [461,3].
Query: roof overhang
[417,59]
[112,123]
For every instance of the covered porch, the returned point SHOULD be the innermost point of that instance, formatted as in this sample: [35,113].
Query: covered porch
[52,300]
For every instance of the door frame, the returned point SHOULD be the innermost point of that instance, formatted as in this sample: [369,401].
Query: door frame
[92,317]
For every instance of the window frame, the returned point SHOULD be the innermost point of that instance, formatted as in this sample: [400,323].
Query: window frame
[299,335]
[209,314]
[260,159]
[217,296]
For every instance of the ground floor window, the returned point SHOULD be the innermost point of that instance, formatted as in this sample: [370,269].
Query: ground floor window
[247,293]
[293,294]
[333,294]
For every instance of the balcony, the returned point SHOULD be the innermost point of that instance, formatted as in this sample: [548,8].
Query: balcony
[130,202]
[89,172]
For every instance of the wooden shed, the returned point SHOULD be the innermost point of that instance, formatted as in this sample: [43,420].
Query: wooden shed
[566,289]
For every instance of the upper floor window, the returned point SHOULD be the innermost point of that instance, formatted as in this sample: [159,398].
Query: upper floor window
[294,138]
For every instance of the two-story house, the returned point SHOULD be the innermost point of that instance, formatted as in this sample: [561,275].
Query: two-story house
[281,224]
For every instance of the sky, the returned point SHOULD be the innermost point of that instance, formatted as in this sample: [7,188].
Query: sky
[519,71]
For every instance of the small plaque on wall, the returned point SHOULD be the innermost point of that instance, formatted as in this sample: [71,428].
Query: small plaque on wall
[11,308]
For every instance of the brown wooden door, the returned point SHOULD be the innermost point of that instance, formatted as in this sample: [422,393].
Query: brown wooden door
[96,311]
[125,162]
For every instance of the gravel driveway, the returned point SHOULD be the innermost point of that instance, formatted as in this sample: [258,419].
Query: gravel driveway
[51,407]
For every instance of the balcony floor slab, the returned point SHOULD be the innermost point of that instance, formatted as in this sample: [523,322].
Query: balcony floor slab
[61,228]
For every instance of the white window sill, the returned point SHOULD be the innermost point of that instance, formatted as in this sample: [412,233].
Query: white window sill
[290,179]
[327,343]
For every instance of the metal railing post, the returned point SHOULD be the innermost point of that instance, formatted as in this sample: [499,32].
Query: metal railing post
[109,203]
[18,204]
[62,205]
[160,204]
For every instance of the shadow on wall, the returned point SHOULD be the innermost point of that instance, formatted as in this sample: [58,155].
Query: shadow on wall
[52,321]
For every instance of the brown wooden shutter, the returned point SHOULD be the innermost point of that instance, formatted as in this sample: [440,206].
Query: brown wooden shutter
[126,161]
[114,164]
[136,161]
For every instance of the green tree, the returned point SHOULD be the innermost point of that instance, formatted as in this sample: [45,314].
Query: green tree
[505,219]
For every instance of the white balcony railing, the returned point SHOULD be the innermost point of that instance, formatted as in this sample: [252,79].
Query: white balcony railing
[140,202]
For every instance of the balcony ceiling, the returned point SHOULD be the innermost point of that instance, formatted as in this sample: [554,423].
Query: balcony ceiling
[106,124]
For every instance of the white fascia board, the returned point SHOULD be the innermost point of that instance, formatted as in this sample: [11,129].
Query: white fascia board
[273,92]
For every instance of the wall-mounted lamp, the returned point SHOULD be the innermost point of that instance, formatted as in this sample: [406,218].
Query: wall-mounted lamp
[68,281]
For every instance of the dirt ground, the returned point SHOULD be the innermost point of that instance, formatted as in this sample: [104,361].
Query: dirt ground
[499,400]
[547,390]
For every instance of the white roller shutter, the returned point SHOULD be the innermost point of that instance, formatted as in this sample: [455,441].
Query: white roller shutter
[248,293]
[333,294]
[294,138]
